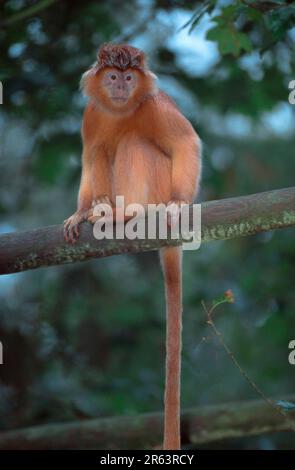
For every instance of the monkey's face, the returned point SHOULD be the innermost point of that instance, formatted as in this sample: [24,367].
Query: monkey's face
[118,91]
[119,85]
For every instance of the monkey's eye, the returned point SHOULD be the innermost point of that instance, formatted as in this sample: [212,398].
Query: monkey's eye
[128,78]
[113,77]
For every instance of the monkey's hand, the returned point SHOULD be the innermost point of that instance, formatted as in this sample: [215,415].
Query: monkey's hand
[71,225]
[173,211]
[92,216]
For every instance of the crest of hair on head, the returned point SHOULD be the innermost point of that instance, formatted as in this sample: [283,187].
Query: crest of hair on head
[121,56]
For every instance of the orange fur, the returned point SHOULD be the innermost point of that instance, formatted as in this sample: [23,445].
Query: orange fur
[147,151]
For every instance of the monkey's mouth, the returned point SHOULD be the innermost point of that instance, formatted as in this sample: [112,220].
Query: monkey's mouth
[119,99]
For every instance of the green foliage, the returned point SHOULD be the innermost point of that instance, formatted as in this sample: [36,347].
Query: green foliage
[280,21]
[229,39]
[237,22]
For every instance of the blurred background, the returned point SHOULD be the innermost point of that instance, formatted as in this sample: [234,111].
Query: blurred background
[87,340]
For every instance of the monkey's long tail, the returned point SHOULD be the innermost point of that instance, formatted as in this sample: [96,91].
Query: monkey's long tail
[171,258]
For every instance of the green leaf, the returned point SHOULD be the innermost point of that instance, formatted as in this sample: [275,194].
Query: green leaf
[280,21]
[245,42]
[230,41]
[252,14]
[229,12]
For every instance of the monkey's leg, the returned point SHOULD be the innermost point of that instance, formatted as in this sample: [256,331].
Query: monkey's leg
[92,217]
[142,173]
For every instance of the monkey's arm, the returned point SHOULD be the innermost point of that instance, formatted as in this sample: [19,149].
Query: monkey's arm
[96,164]
[101,176]
[85,190]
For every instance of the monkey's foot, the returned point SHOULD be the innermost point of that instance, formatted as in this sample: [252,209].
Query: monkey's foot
[71,225]
[92,216]
[173,211]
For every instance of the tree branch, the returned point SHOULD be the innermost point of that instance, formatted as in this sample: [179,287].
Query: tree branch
[28,12]
[199,426]
[265,6]
[221,220]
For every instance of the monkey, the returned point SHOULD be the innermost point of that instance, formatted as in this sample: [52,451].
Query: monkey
[138,144]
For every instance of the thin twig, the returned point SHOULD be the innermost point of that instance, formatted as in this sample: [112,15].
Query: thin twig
[236,363]
[265,6]
[28,12]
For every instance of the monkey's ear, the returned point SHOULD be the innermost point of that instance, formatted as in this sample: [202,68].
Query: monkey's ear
[84,80]
[86,75]
[152,75]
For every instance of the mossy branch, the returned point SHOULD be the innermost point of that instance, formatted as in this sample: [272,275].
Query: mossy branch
[199,426]
[221,220]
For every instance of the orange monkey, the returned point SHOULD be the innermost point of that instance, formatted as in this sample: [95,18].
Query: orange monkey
[137,144]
